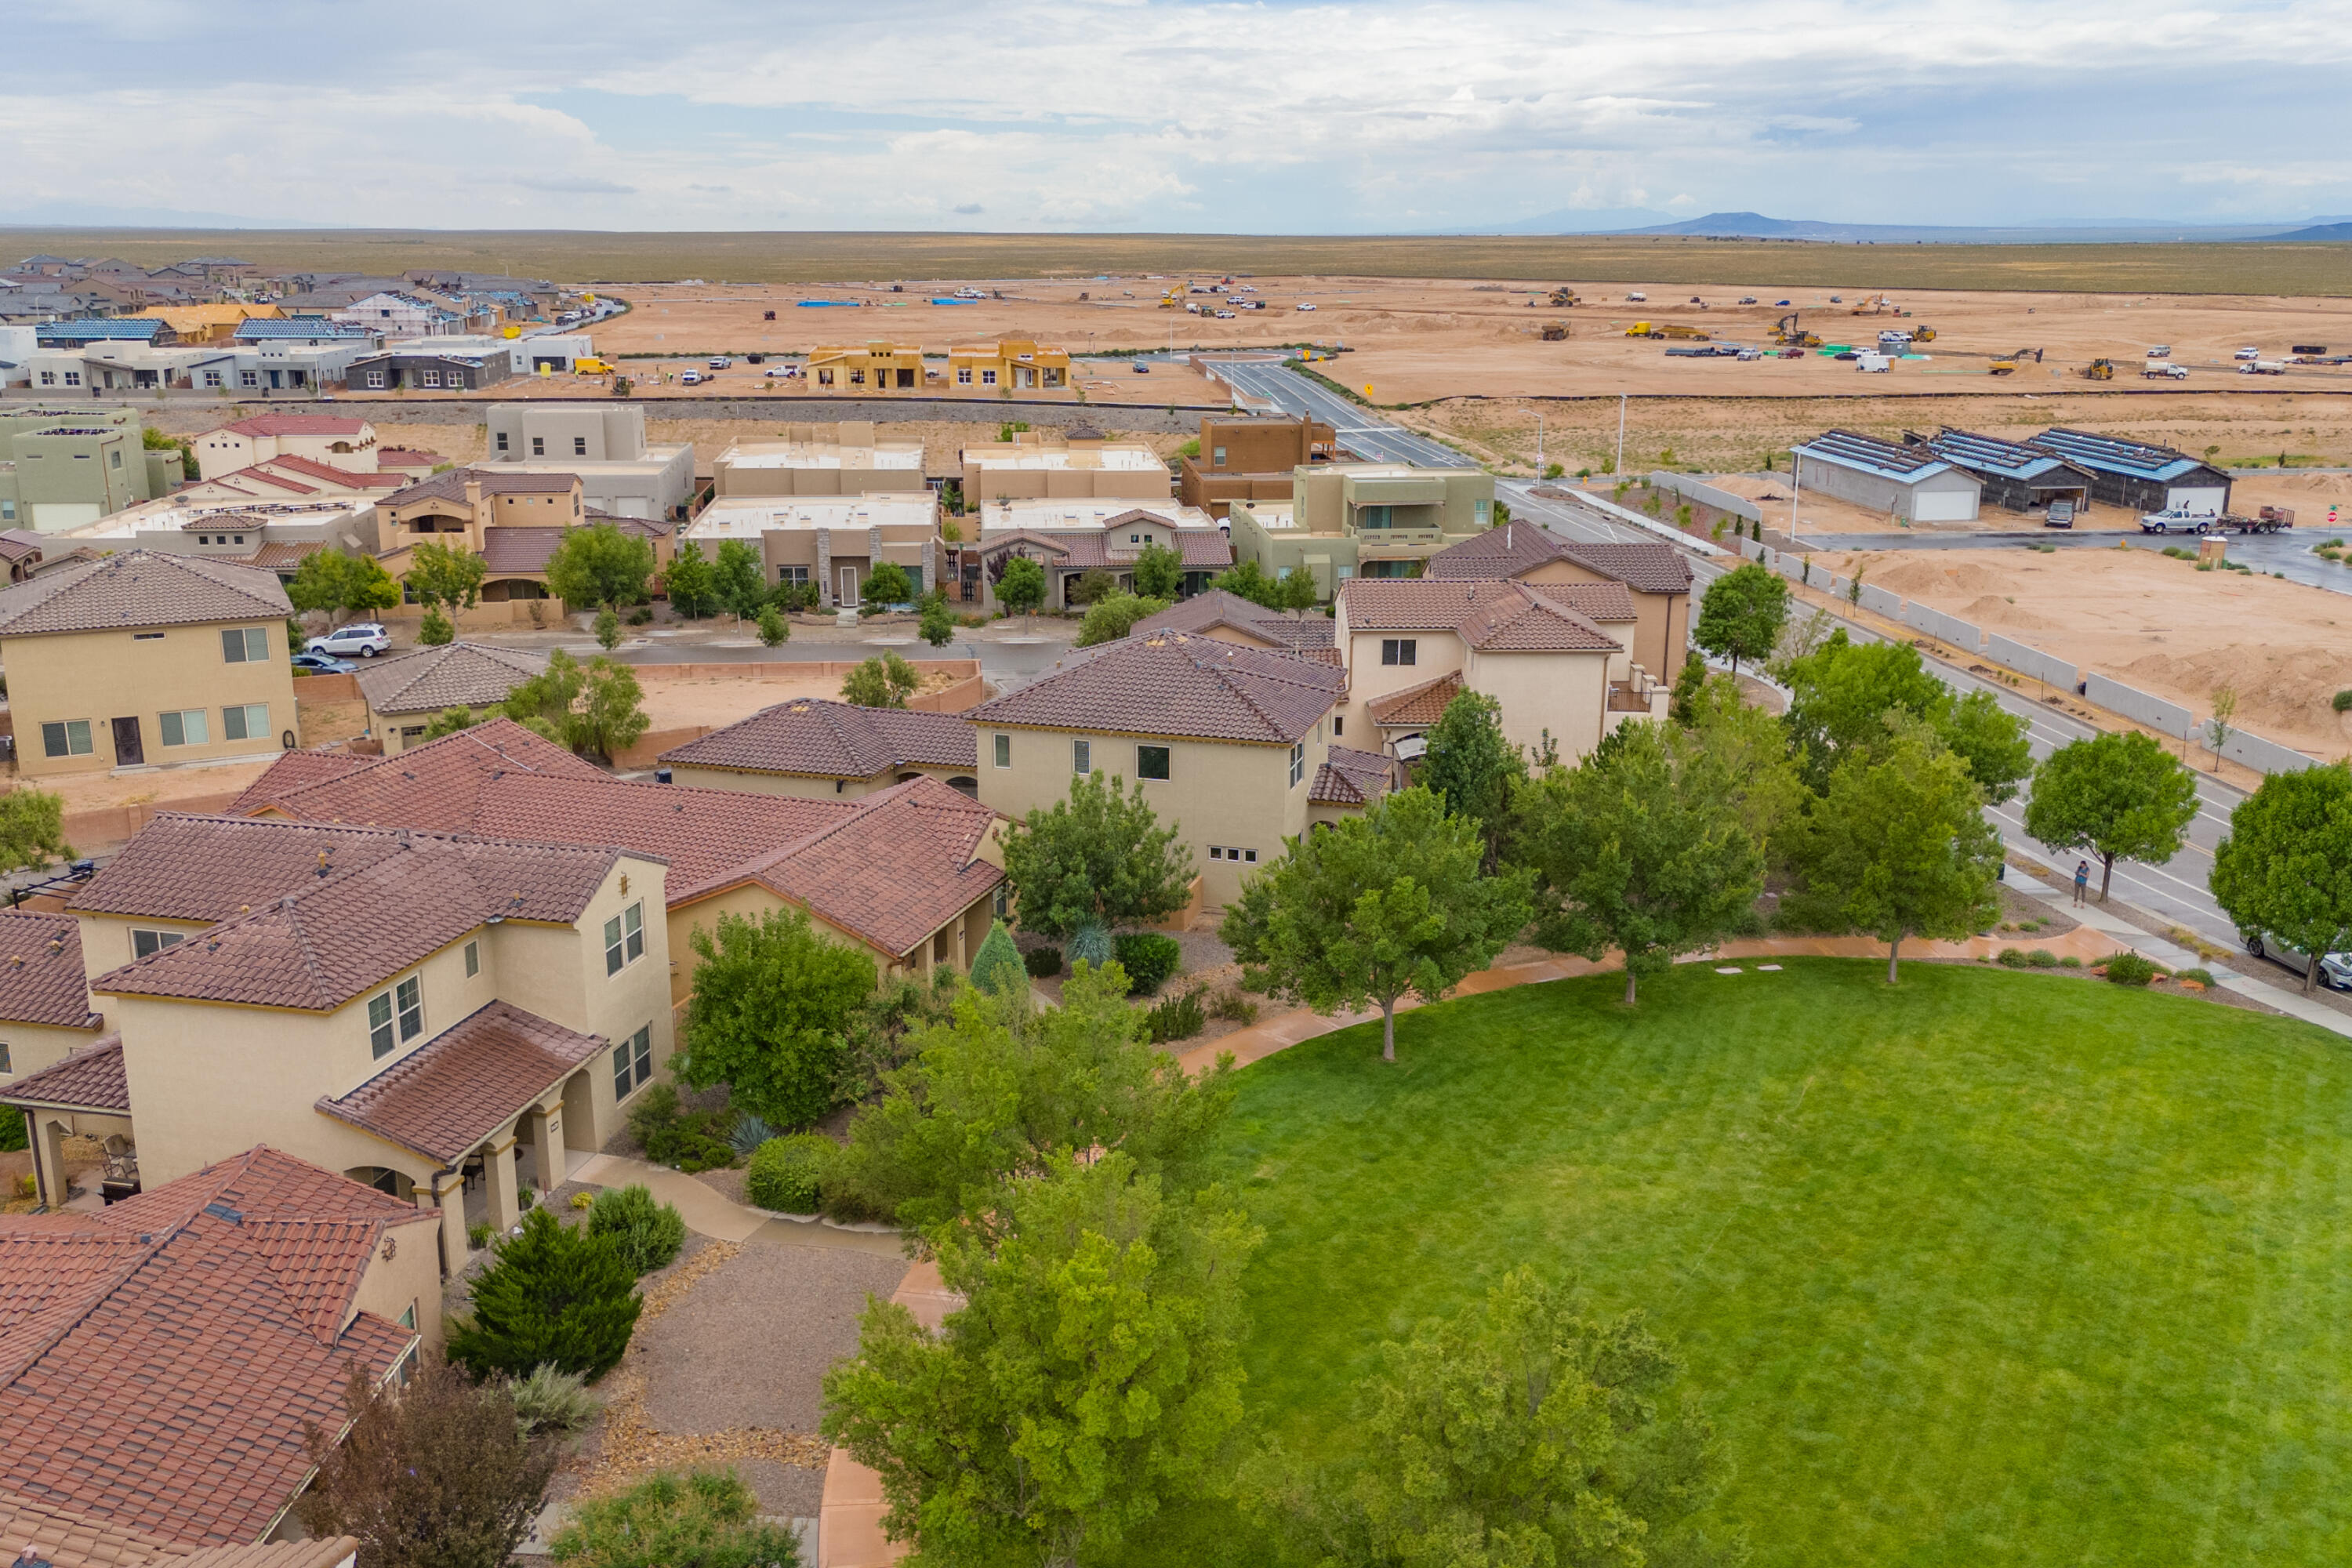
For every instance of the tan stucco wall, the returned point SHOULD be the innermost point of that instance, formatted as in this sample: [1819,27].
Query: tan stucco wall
[1662,621]
[388,727]
[106,938]
[1563,696]
[410,1279]
[809,786]
[32,1047]
[102,676]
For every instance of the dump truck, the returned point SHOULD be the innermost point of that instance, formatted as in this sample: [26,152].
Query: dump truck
[1665,329]
[1554,332]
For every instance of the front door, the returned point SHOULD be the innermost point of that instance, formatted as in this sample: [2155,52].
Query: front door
[849,586]
[128,752]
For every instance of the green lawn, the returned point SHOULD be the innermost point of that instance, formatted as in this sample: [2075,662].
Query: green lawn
[1991,1268]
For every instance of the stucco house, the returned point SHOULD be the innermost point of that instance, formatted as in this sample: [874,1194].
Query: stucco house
[811,746]
[1229,617]
[406,691]
[45,1010]
[513,519]
[335,439]
[1657,574]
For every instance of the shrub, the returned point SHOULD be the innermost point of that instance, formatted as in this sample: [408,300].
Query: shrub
[549,1400]
[479,1233]
[748,1132]
[2042,958]
[1177,1017]
[706,1520]
[999,966]
[2202,976]
[526,1196]
[608,630]
[691,1140]
[647,1233]
[583,1200]
[435,630]
[787,1174]
[12,1130]
[555,1295]
[1091,943]
[1043,963]
[642,616]
[2131,969]
[2011,958]
[1234,1005]
[1149,958]
[2342,700]
[2070,962]
[1256,979]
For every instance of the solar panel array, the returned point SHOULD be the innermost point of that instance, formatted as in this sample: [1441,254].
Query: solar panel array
[2116,456]
[1857,450]
[1970,450]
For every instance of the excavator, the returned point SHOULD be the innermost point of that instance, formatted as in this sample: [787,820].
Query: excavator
[2100,369]
[1787,330]
[1562,298]
[1872,307]
[2006,364]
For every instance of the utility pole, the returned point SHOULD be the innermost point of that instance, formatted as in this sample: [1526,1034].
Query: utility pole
[1540,466]
[1621,436]
[1796,489]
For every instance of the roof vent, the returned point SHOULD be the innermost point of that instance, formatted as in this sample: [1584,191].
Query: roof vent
[16,960]
[222,1211]
[56,944]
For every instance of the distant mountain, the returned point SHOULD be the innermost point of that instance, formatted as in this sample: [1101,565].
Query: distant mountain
[2336,233]
[1756,226]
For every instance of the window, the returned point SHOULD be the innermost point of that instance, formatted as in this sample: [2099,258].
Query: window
[624,938]
[1298,763]
[73,378]
[114,458]
[632,1063]
[988,378]
[409,997]
[408,1318]
[964,376]
[1337,724]
[380,1024]
[1400,650]
[249,722]
[502,441]
[143,942]
[858,378]
[67,739]
[539,446]
[580,445]
[1225,852]
[428,378]
[48,378]
[825,378]
[1082,755]
[1151,762]
[253,378]
[212,378]
[186,728]
[6,1065]
[1004,751]
[374,378]
[1484,512]
[1216,456]
[146,636]
[1002,904]
[792,574]
[245,645]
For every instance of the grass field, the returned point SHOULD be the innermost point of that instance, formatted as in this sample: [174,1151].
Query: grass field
[2242,267]
[1988,1269]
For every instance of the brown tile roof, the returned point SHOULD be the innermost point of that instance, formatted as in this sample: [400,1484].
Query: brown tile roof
[89,1079]
[159,1359]
[295,770]
[1353,778]
[902,864]
[281,557]
[317,949]
[405,457]
[1647,566]
[185,867]
[17,543]
[1198,548]
[832,739]
[350,479]
[1492,615]
[437,785]
[494,482]
[41,977]
[448,1095]
[141,588]
[1600,602]
[1416,705]
[458,674]
[1173,683]
[1216,608]
[298,425]
[65,1538]
[506,551]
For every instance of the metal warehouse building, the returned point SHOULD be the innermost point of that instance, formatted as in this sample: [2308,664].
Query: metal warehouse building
[1909,483]
[2020,478]
[2142,478]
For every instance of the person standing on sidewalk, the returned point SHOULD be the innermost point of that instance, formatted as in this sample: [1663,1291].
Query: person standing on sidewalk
[2082,880]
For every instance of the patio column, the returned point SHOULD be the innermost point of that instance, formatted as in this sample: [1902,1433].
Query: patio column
[547,1147]
[49,1159]
[448,1189]
[498,1184]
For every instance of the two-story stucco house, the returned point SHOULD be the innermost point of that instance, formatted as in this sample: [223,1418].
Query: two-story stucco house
[811,746]
[1655,573]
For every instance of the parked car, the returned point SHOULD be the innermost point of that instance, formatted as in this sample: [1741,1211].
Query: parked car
[2174,521]
[1778,303]
[2161,351]
[365,638]
[322,664]
[2061,514]
[2249,351]
[1140,368]
[1226,316]
[720,362]
[691,378]
[1305,305]
[2335,968]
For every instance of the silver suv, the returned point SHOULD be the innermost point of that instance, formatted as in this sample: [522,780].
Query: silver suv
[2335,968]
[363,638]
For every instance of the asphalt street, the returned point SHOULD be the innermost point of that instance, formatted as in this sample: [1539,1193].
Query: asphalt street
[1362,431]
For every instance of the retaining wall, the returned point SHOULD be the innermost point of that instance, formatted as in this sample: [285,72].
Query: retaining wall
[1882,602]
[2264,756]
[1708,495]
[2132,703]
[1949,628]
[2030,661]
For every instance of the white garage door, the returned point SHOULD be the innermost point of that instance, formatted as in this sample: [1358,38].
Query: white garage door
[1943,506]
[2183,498]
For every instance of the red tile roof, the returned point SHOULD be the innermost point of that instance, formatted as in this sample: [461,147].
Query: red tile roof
[1175,684]
[448,1095]
[89,1079]
[458,674]
[437,785]
[1216,608]
[832,739]
[185,867]
[1353,778]
[1492,615]
[1647,566]
[141,588]
[298,425]
[350,478]
[1416,705]
[494,482]
[1600,602]
[405,457]
[159,1359]
[41,976]
[510,550]
[293,770]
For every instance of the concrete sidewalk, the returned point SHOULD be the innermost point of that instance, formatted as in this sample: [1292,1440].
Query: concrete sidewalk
[707,1212]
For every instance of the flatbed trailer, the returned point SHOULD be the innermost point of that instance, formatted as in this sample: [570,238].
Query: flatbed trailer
[2269,519]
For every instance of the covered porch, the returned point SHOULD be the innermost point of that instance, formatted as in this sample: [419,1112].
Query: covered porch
[84,1097]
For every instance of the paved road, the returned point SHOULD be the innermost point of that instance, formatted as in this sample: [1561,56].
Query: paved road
[2288,553]
[1360,429]
[1000,658]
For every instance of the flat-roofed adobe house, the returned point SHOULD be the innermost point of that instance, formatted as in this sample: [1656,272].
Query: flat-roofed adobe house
[162,1360]
[147,659]
[813,747]
[1233,746]
[1655,573]
[405,692]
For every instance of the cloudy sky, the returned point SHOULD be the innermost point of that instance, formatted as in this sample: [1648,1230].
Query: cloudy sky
[1126,115]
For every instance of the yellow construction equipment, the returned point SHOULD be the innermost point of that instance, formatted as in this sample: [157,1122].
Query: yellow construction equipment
[1638,329]
[1923,334]
[1562,298]
[2004,364]
[1171,300]
[1665,329]
[2100,369]
[1555,332]
[1872,307]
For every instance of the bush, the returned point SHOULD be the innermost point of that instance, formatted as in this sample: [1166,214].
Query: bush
[2070,962]
[479,1233]
[13,1136]
[1091,943]
[526,1196]
[787,1174]
[748,1132]
[1177,1017]
[647,1233]
[555,1295]
[2202,976]
[691,1140]
[706,1520]
[1149,958]
[642,616]
[435,631]
[2042,958]
[1043,963]
[553,1401]
[583,1200]
[997,966]
[2342,701]
[608,630]
[2131,969]
[1233,1005]
[2011,958]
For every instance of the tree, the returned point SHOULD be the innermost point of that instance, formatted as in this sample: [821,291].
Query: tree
[1093,584]
[611,716]
[706,1518]
[886,681]
[774,630]
[1645,854]
[341,584]
[599,567]
[693,590]
[1899,846]
[1114,615]
[2117,795]
[434,1474]
[886,585]
[1159,572]
[608,630]
[32,830]
[1989,739]
[2286,871]
[1296,590]
[1742,614]
[997,968]
[1093,1378]
[2219,728]
[1748,748]
[442,575]
[1380,905]
[449,721]
[737,578]
[1687,685]
[1098,857]
[435,630]
[998,1089]
[771,999]
[1520,1431]
[1022,588]
[549,695]
[1247,580]
[552,1296]
[938,626]
[1844,693]
[648,1232]
[1472,767]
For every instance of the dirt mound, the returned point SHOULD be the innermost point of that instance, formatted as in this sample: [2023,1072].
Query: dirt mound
[1931,580]
[1993,610]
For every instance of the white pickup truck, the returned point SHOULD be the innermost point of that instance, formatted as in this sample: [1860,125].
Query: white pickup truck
[2173,520]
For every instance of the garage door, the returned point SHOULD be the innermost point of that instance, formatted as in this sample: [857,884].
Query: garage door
[1943,506]
[2183,498]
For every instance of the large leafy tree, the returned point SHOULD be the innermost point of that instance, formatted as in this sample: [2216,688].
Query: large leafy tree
[736,576]
[704,1519]
[1520,1431]
[1899,847]
[1748,748]
[2118,796]
[1093,1378]
[2286,868]
[339,586]
[1742,614]
[1380,906]
[1114,615]
[1844,694]
[596,708]
[773,1000]
[1644,851]
[1159,572]
[1472,767]
[442,575]
[1098,857]
[1022,587]
[888,583]
[1248,579]
[32,830]
[997,1090]
[883,681]
[692,592]
[599,567]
